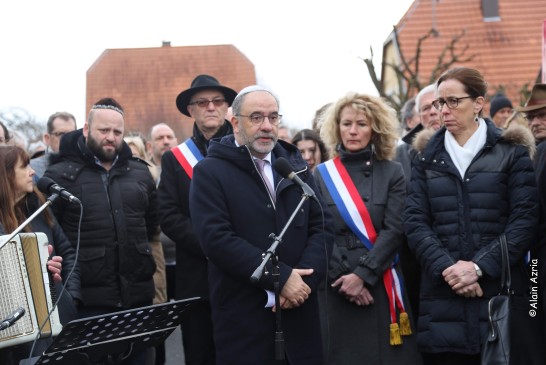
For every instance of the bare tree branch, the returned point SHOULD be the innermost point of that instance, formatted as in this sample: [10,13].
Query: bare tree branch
[454,56]
[408,71]
[373,75]
[21,120]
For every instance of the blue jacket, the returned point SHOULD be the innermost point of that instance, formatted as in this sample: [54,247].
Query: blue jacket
[449,218]
[233,216]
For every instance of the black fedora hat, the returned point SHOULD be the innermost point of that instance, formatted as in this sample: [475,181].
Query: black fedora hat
[202,82]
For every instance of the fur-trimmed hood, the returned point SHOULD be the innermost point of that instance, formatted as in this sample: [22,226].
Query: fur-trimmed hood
[522,135]
[421,139]
[515,134]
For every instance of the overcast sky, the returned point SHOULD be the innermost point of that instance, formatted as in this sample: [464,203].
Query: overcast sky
[308,52]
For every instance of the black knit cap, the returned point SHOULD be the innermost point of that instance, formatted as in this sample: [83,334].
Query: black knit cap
[498,102]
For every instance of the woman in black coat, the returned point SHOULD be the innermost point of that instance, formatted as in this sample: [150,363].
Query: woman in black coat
[19,199]
[360,326]
[471,185]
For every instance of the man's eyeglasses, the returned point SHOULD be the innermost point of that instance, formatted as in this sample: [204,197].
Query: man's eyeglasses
[425,109]
[531,116]
[258,119]
[203,103]
[58,134]
[451,102]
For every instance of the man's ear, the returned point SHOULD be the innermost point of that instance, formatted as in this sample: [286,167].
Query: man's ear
[235,124]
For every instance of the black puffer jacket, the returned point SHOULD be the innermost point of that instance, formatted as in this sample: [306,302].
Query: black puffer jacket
[119,218]
[449,218]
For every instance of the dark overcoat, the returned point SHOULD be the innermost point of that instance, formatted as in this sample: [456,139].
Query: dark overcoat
[173,194]
[233,216]
[360,334]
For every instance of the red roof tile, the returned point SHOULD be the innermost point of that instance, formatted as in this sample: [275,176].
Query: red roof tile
[508,51]
[146,81]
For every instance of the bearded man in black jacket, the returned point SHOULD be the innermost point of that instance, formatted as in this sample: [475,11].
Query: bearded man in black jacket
[118,195]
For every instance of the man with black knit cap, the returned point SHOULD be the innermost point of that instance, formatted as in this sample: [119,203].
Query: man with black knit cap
[500,110]
[207,102]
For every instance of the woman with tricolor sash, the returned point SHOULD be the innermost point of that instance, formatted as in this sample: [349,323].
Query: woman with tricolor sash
[364,307]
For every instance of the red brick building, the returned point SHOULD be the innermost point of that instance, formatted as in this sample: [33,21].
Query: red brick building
[146,81]
[504,35]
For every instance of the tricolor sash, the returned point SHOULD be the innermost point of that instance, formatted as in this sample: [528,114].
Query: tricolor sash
[355,214]
[188,155]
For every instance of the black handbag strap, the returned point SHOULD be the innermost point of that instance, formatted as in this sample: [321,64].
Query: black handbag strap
[506,279]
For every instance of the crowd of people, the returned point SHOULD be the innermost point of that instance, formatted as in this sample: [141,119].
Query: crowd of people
[381,232]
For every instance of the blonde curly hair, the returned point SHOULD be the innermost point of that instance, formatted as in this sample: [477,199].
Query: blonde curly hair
[138,142]
[383,120]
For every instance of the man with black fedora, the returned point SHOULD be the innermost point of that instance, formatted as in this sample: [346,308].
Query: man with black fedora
[207,102]
[535,111]
[535,114]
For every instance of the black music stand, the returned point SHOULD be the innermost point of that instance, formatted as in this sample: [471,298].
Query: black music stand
[110,338]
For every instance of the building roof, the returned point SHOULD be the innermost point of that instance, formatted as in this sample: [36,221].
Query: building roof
[507,48]
[146,81]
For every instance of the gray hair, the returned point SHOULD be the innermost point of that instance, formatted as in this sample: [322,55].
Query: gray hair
[427,89]
[407,112]
[66,116]
[238,101]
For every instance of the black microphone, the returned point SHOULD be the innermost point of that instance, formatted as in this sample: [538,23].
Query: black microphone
[50,187]
[282,166]
[12,318]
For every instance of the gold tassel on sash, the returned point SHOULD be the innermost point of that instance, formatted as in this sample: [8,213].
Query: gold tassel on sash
[405,328]
[395,338]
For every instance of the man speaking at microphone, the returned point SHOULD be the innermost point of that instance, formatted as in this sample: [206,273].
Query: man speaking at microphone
[120,217]
[236,201]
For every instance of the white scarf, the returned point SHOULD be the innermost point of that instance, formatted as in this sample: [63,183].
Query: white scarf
[462,155]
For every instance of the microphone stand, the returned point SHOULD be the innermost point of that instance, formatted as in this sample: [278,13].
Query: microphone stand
[48,202]
[270,255]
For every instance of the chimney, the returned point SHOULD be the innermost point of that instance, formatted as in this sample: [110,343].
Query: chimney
[166,44]
[490,10]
